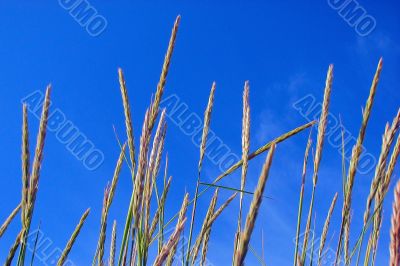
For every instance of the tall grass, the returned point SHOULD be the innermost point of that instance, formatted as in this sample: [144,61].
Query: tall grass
[146,227]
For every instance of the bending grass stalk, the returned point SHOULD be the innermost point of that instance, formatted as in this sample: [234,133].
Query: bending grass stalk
[356,152]
[231,188]
[325,229]
[35,175]
[7,222]
[206,126]
[72,239]
[251,156]
[254,207]
[264,148]
[300,209]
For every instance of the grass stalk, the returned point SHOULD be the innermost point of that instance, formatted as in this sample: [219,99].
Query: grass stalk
[72,239]
[253,212]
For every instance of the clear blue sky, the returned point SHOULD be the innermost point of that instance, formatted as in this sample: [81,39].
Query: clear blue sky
[282,47]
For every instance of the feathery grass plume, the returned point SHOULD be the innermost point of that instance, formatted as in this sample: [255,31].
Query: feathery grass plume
[346,241]
[173,240]
[300,209]
[158,138]
[111,260]
[152,116]
[245,152]
[71,241]
[318,152]
[196,247]
[379,176]
[264,148]
[373,239]
[35,174]
[382,190]
[206,126]
[252,214]
[368,251]
[108,198]
[182,214]
[25,162]
[139,180]
[205,246]
[157,162]
[137,193]
[325,229]
[13,249]
[298,261]
[7,222]
[164,73]
[128,119]
[208,228]
[355,156]
[322,123]
[220,210]
[395,229]
[387,140]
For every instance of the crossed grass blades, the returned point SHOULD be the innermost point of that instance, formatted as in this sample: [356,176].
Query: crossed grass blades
[144,228]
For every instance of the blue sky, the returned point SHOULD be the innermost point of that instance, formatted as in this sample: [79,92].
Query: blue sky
[282,47]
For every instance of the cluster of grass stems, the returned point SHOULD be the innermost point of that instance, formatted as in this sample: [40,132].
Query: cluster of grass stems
[144,228]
